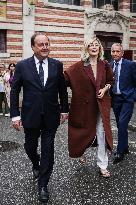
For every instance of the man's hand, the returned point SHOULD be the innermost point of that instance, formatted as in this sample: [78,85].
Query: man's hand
[17,124]
[63,117]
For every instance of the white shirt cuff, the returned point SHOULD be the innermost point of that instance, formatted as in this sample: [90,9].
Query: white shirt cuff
[16,118]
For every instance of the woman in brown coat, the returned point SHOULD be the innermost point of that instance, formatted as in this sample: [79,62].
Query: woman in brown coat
[89,115]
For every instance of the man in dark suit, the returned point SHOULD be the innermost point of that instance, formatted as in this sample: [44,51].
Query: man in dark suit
[122,97]
[42,80]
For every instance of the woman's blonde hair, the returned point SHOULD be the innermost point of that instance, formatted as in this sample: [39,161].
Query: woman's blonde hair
[85,54]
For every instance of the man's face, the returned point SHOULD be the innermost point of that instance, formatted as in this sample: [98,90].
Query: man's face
[116,52]
[41,47]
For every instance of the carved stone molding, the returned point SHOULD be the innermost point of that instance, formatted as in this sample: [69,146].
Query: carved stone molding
[108,21]
[108,17]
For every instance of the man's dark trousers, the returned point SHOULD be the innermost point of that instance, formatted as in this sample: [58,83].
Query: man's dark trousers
[46,161]
[123,110]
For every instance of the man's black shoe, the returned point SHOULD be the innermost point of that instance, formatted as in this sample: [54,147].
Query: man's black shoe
[118,158]
[36,173]
[43,195]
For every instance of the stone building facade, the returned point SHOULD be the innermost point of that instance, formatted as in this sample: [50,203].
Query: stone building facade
[68,23]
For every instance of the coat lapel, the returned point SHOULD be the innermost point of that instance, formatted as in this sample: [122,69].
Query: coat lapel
[89,73]
[100,70]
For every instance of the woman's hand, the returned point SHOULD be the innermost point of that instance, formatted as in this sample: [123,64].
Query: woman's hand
[103,90]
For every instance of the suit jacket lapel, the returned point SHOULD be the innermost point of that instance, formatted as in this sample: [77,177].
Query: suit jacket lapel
[50,71]
[112,64]
[122,69]
[34,70]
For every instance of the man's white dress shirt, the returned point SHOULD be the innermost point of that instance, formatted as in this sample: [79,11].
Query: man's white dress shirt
[119,69]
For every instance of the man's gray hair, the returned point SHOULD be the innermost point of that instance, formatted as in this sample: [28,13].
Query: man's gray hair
[117,44]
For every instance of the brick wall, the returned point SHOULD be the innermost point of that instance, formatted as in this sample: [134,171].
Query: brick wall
[133,36]
[65,28]
[13,24]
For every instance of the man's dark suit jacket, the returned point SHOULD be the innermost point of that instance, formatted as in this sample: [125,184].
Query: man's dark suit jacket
[127,79]
[39,100]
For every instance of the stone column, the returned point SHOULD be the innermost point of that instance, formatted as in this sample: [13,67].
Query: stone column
[28,28]
[124,6]
[86,3]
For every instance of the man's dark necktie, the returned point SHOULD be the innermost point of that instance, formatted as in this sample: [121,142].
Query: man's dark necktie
[116,78]
[41,72]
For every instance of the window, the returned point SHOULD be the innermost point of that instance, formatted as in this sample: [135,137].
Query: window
[133,6]
[3,34]
[100,4]
[70,2]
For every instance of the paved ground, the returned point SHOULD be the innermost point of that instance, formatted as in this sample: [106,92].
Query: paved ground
[71,183]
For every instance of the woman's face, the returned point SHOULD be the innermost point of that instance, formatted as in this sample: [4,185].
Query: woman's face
[12,67]
[94,48]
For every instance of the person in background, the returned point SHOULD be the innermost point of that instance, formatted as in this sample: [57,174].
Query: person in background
[123,92]
[7,79]
[89,116]
[3,98]
[43,83]
[11,72]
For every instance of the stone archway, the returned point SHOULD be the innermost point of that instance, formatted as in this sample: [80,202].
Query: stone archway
[107,21]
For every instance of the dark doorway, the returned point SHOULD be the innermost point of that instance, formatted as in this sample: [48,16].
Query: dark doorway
[107,39]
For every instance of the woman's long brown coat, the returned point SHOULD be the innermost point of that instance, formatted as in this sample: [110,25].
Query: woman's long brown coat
[85,106]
